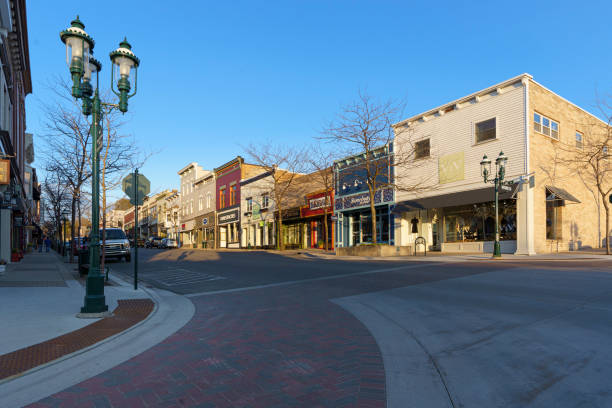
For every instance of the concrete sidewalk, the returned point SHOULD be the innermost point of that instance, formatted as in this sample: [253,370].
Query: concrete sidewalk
[40,298]
[454,257]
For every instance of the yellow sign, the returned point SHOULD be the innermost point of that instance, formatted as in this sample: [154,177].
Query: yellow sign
[451,168]
[5,171]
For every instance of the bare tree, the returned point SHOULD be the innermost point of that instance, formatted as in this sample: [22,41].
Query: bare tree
[57,200]
[591,161]
[65,149]
[285,164]
[364,130]
[321,162]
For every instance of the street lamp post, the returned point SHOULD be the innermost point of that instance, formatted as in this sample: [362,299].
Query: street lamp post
[79,56]
[498,181]
[64,230]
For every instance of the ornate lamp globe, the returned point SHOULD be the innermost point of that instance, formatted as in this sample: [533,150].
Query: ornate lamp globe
[124,58]
[79,45]
[501,160]
[485,167]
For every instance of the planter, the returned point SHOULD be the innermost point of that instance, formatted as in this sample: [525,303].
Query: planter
[382,250]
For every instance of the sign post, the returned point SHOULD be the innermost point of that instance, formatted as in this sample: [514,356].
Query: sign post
[136,186]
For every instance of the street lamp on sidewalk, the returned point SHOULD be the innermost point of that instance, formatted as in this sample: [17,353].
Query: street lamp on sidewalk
[498,181]
[82,64]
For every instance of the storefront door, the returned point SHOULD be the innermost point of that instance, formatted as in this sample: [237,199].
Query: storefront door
[223,237]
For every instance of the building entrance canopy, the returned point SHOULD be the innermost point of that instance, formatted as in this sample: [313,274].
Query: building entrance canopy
[481,195]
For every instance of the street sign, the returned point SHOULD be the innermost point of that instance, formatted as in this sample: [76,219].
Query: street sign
[144,187]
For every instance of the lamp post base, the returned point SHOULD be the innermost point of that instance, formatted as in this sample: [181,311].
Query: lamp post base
[496,250]
[95,301]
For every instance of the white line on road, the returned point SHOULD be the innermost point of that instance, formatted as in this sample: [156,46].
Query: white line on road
[294,282]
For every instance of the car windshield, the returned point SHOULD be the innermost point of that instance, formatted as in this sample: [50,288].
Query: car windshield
[113,234]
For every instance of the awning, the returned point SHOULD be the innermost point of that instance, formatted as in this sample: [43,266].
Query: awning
[557,193]
[481,195]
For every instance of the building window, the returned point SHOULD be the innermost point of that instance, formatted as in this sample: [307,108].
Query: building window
[421,149]
[546,126]
[208,200]
[222,197]
[579,140]
[265,201]
[233,194]
[191,207]
[554,217]
[200,203]
[485,130]
[249,204]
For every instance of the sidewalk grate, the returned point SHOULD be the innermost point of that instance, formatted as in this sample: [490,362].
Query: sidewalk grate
[128,313]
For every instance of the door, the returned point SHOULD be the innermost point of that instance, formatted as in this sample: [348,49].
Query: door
[223,237]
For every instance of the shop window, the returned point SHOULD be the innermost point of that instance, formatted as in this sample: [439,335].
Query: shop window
[421,149]
[554,217]
[469,223]
[485,130]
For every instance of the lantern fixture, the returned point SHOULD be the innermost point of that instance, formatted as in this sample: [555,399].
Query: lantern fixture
[485,168]
[124,60]
[79,46]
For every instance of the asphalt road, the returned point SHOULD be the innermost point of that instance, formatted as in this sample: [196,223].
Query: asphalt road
[286,330]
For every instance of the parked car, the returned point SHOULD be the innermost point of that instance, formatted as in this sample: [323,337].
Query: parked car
[141,242]
[153,242]
[168,243]
[117,244]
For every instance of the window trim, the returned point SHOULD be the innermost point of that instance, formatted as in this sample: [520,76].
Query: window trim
[579,144]
[541,131]
[474,126]
[428,139]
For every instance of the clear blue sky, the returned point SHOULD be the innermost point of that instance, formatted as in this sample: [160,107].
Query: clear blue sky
[217,75]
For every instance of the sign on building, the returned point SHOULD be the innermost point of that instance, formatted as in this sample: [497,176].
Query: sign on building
[5,171]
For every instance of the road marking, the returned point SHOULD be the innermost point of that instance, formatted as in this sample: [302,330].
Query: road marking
[295,282]
[179,276]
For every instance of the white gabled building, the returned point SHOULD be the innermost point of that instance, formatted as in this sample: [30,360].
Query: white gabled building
[530,124]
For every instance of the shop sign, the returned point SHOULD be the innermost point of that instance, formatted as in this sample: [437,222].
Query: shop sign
[5,171]
[363,199]
[229,217]
[205,221]
[319,202]
[256,211]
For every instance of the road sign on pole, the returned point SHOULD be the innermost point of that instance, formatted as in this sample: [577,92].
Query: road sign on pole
[136,186]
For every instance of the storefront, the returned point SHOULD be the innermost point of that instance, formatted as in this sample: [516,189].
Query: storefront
[205,231]
[293,230]
[459,222]
[314,213]
[229,228]
[354,219]
[188,235]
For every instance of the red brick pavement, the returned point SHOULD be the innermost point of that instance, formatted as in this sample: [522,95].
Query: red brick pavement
[276,347]
[127,313]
